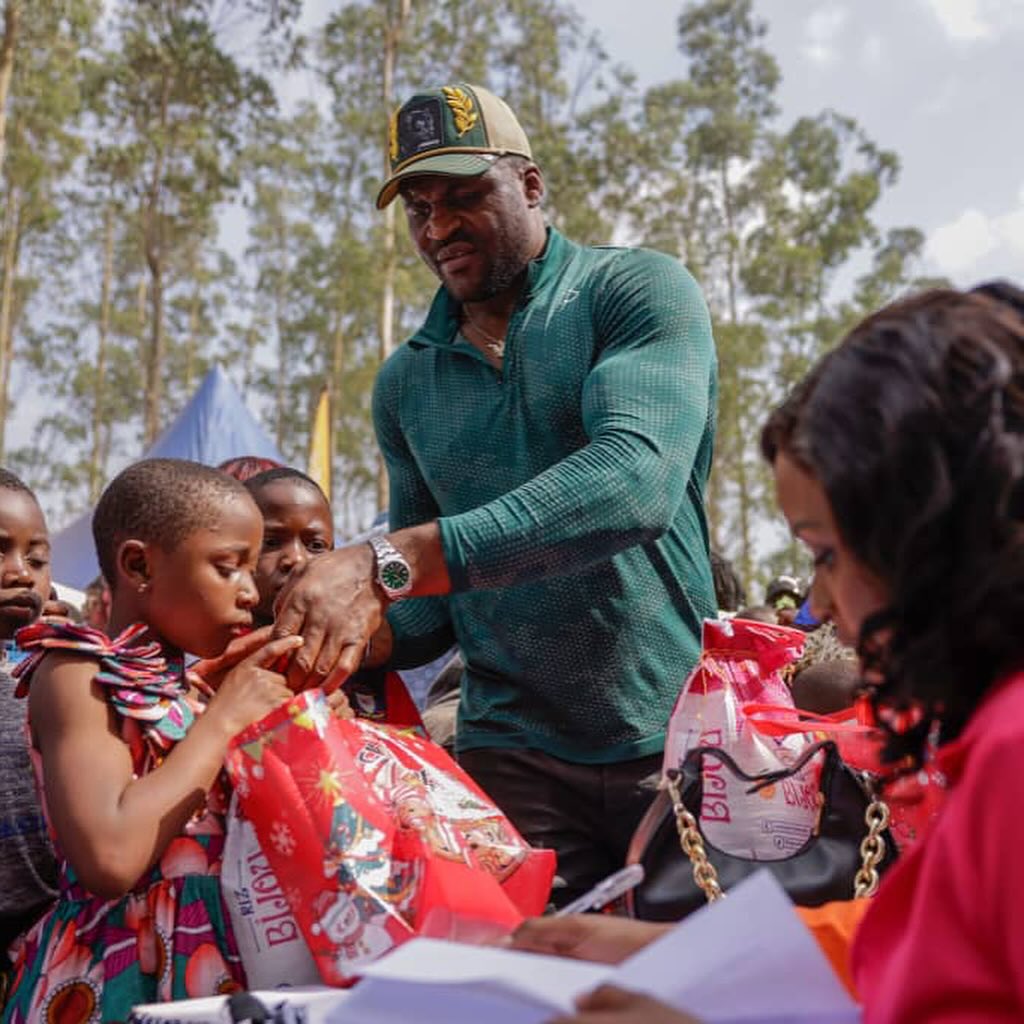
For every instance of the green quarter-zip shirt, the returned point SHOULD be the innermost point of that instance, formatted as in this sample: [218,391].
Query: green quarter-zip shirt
[569,488]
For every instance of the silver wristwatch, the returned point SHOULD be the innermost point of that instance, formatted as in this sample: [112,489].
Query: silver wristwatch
[393,572]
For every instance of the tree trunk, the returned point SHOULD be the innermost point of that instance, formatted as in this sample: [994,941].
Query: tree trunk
[8,45]
[392,40]
[249,356]
[155,356]
[281,389]
[192,344]
[743,485]
[96,458]
[12,230]
[713,510]
[155,256]
[746,566]
[141,303]
[281,282]
[334,379]
[730,240]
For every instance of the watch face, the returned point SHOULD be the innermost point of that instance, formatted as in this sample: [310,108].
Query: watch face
[394,575]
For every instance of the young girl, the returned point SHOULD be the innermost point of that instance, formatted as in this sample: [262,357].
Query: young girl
[130,767]
[297,526]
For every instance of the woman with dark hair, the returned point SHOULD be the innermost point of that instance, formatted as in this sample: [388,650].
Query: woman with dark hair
[899,461]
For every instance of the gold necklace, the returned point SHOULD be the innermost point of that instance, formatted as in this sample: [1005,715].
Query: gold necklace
[495,344]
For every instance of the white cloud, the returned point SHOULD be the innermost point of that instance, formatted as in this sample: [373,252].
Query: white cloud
[1012,229]
[964,242]
[821,31]
[972,20]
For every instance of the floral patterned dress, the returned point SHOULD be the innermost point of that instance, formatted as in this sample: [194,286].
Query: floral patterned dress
[91,959]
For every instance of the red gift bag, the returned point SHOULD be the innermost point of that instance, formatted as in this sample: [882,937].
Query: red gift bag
[383,697]
[743,661]
[377,835]
[914,800]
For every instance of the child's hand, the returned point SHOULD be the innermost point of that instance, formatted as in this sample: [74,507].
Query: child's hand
[339,704]
[251,689]
[55,608]
[214,670]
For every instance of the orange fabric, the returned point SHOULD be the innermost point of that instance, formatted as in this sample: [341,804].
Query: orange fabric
[833,926]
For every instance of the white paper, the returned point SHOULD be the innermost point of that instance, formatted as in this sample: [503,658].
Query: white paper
[315,1003]
[428,980]
[743,958]
[747,958]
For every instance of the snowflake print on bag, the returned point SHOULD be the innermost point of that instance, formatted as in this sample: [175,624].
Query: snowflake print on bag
[282,838]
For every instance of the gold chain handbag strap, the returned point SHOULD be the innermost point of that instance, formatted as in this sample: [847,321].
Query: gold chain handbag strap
[704,873]
[872,847]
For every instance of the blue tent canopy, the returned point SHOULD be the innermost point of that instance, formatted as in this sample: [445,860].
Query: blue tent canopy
[214,426]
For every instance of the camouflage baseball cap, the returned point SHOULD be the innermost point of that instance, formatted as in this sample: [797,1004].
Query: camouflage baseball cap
[458,130]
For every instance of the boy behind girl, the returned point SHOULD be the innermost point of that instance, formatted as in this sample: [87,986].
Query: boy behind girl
[28,871]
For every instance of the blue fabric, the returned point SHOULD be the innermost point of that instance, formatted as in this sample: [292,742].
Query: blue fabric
[804,616]
[214,426]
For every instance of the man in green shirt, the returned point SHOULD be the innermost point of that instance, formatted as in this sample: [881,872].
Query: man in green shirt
[548,434]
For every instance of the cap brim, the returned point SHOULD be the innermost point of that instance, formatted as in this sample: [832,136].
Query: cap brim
[456,165]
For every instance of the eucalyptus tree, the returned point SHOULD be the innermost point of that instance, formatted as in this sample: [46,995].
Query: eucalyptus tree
[173,106]
[767,217]
[537,54]
[41,56]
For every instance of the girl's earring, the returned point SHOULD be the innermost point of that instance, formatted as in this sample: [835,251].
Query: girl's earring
[143,587]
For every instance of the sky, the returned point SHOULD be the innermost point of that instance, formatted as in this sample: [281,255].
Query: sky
[941,82]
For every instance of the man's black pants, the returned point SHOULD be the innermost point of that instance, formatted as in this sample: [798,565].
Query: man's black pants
[586,813]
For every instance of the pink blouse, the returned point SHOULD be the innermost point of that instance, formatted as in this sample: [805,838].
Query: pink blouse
[943,940]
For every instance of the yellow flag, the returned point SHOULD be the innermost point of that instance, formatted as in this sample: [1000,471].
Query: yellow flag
[320,445]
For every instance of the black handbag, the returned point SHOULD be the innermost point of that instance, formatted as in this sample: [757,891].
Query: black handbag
[843,857]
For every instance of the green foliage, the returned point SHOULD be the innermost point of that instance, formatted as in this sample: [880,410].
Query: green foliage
[766,217]
[175,210]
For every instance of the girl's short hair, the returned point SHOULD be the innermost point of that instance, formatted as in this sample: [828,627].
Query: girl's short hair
[159,501]
[255,484]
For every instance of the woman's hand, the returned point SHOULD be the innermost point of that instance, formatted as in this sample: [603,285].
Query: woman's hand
[601,938]
[611,1005]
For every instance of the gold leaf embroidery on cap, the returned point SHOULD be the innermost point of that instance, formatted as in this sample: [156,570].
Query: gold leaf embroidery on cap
[393,136]
[461,104]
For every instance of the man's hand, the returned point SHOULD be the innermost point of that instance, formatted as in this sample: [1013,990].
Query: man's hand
[601,938]
[611,1005]
[334,603]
